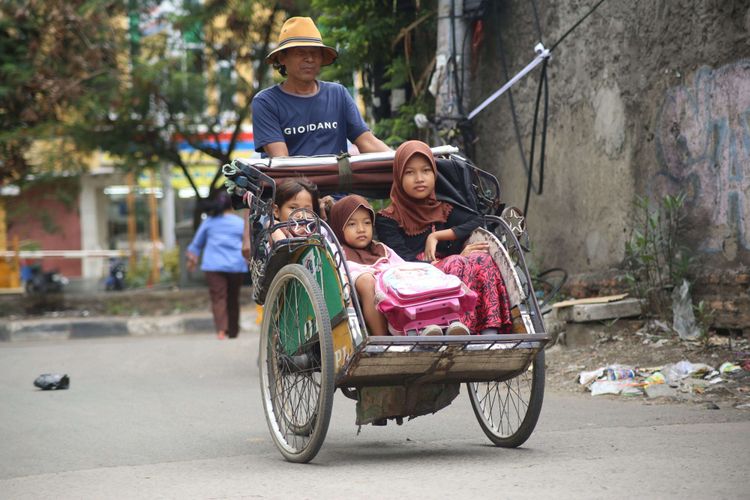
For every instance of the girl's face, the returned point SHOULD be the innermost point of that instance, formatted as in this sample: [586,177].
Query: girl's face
[303,199]
[358,229]
[418,179]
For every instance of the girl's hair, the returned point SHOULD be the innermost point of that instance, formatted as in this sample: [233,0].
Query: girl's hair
[220,204]
[291,187]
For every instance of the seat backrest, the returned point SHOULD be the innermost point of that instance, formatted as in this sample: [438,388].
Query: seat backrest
[463,184]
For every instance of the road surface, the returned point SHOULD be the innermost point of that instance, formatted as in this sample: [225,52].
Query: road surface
[181,417]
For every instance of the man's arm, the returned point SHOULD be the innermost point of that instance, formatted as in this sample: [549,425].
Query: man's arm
[368,143]
[274,149]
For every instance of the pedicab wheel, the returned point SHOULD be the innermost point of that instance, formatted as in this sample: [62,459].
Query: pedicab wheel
[296,364]
[508,411]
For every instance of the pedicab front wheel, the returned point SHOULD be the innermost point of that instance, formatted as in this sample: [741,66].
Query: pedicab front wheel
[296,364]
[507,411]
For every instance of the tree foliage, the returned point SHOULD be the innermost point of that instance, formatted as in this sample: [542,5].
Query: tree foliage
[392,44]
[135,78]
[192,75]
[52,54]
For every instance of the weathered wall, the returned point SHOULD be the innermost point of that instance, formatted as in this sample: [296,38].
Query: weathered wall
[646,98]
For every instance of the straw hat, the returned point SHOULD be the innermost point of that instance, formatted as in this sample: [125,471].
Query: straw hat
[301,32]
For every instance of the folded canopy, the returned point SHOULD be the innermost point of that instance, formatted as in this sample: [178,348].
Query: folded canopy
[368,174]
[371,175]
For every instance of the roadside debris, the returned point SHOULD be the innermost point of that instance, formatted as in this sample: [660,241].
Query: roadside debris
[666,381]
[728,367]
[682,309]
[52,381]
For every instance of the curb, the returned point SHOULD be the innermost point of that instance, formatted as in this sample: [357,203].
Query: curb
[113,326]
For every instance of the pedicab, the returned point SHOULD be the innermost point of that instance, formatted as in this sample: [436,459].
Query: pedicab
[313,336]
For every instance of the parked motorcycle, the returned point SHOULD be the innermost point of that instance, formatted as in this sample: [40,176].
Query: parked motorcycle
[38,281]
[116,278]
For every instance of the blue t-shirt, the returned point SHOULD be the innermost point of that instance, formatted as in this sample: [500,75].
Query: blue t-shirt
[220,239]
[312,125]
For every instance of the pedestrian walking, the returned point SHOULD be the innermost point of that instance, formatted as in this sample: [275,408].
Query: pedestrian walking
[219,239]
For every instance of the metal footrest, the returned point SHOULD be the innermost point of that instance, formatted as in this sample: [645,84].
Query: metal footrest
[459,358]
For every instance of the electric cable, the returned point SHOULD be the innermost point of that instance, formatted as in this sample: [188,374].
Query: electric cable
[554,46]
[537,24]
[540,88]
[514,115]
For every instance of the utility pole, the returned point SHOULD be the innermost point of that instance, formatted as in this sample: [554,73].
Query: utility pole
[452,66]
[131,220]
[167,208]
[154,226]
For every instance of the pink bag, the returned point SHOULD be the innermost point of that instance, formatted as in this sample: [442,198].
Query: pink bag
[415,294]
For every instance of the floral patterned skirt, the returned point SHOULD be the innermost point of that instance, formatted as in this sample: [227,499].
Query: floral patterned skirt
[479,272]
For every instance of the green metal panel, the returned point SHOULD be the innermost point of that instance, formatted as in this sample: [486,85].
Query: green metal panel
[319,263]
[296,314]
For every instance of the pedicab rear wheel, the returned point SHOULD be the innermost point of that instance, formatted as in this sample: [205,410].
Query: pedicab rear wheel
[296,364]
[507,411]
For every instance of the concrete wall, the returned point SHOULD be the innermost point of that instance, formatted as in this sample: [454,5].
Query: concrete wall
[646,98]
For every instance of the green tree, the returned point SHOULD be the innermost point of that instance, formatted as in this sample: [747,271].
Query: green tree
[52,54]
[186,81]
[392,43]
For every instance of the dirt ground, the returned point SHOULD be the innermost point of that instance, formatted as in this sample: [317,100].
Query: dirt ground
[631,345]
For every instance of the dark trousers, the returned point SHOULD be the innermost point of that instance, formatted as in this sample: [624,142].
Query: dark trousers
[224,289]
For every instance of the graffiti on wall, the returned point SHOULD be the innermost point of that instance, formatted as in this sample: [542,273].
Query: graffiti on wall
[704,149]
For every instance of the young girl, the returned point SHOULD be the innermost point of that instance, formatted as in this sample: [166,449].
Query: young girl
[420,228]
[352,219]
[292,194]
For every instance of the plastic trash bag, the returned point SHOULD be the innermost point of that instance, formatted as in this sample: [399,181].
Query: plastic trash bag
[52,381]
[585,378]
[674,373]
[682,308]
[609,387]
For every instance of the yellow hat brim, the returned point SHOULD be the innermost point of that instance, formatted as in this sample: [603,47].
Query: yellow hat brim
[329,53]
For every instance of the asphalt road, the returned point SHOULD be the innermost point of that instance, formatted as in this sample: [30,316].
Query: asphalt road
[181,417]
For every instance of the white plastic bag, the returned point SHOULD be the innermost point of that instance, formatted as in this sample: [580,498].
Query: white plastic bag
[683,319]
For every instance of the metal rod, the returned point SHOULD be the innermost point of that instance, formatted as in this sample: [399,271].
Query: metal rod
[542,54]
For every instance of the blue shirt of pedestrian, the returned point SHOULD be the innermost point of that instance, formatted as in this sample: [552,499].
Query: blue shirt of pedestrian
[220,239]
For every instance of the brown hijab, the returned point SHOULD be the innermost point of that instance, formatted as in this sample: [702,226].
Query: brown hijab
[413,216]
[340,214]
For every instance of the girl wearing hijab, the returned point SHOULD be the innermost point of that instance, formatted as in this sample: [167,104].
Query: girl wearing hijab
[351,219]
[420,228]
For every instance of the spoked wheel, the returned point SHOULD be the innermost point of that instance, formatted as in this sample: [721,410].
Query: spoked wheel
[296,364]
[508,411]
